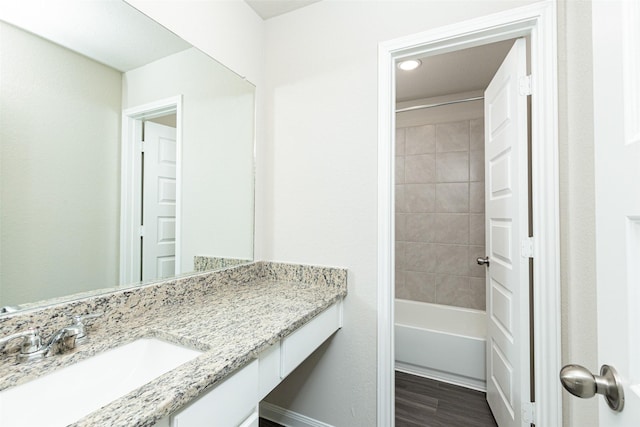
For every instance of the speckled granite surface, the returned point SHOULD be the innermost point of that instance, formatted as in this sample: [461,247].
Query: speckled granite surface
[231,314]
[205,263]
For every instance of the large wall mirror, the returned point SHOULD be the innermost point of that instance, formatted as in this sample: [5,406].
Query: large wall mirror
[126,154]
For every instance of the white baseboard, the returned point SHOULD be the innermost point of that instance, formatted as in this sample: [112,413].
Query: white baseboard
[445,377]
[288,418]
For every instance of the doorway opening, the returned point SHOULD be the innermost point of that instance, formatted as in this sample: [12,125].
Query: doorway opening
[537,23]
[151,196]
[444,264]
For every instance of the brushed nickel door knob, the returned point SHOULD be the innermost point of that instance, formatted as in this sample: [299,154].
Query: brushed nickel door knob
[580,382]
[483,261]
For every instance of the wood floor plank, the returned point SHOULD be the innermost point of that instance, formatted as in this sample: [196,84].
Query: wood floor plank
[417,397]
[267,423]
[423,402]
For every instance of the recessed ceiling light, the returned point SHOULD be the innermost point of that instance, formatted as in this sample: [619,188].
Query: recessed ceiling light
[410,64]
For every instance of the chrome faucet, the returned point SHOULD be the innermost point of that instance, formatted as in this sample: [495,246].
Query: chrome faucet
[63,340]
[31,343]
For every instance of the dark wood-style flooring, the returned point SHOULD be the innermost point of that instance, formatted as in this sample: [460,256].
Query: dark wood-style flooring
[429,403]
[422,402]
[266,423]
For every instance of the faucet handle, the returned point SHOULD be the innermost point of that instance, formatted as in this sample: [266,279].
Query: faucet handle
[31,340]
[79,322]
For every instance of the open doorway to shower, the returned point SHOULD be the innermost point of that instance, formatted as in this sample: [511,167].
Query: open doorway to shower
[461,209]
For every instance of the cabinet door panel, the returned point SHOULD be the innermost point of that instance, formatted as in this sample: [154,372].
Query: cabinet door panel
[300,344]
[226,405]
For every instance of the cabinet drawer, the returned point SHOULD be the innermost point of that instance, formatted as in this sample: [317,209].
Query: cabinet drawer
[226,405]
[300,344]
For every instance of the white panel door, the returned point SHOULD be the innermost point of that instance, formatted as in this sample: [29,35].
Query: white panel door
[616,73]
[506,226]
[159,202]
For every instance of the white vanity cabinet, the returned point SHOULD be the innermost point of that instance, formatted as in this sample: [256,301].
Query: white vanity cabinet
[234,402]
[228,404]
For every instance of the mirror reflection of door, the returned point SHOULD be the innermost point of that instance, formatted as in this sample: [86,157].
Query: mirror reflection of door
[158,201]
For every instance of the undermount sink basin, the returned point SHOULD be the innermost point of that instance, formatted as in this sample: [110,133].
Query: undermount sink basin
[68,394]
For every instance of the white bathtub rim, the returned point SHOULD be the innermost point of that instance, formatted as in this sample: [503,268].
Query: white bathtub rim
[438,331]
[441,306]
[460,321]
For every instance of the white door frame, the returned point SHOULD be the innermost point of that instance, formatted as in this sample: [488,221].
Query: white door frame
[539,22]
[132,119]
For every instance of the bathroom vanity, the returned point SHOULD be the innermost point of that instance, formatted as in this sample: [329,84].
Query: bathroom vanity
[254,324]
[246,327]
[234,402]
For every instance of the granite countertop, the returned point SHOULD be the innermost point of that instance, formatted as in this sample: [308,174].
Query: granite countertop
[232,321]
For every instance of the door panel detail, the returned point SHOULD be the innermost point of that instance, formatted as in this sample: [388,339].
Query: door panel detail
[506,138]
[502,377]
[502,308]
[500,175]
[501,241]
[616,39]
[159,201]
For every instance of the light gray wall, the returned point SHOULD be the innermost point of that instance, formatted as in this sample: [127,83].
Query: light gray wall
[217,150]
[337,51]
[321,101]
[233,34]
[577,200]
[60,151]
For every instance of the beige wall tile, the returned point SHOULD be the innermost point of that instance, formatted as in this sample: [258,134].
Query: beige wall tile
[419,228]
[420,197]
[440,228]
[453,290]
[452,259]
[452,136]
[420,169]
[476,270]
[401,226]
[476,197]
[399,281]
[400,164]
[420,286]
[420,257]
[420,140]
[476,229]
[451,228]
[478,286]
[401,204]
[400,141]
[476,166]
[401,290]
[476,134]
[452,167]
[452,197]
[400,255]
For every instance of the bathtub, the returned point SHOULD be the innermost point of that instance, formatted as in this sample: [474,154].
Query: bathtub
[441,342]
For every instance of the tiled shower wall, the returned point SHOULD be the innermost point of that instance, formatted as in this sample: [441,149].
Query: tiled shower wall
[440,213]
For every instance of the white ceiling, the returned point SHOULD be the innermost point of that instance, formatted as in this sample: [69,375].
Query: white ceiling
[110,32]
[456,72]
[270,8]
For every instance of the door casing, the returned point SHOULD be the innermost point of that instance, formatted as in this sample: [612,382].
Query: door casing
[538,21]
[130,178]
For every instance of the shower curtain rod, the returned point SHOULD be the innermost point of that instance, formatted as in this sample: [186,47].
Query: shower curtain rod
[439,104]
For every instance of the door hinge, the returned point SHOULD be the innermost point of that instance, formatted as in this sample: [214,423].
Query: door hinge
[524,85]
[141,231]
[528,412]
[141,145]
[526,247]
